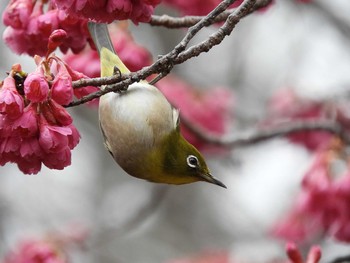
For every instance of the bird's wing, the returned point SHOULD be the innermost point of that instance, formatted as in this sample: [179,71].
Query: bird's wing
[103,43]
[176,118]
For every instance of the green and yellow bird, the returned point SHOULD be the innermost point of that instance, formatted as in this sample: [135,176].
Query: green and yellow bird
[141,129]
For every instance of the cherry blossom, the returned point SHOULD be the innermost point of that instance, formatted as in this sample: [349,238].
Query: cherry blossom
[36,87]
[295,256]
[30,24]
[35,128]
[109,10]
[31,251]
[324,201]
[11,103]
[286,105]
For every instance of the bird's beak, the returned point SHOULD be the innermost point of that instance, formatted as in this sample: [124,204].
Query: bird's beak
[210,179]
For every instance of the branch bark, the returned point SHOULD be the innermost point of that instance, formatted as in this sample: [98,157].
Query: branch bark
[188,21]
[177,56]
[262,134]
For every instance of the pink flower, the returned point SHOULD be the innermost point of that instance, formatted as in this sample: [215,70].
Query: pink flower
[19,42]
[62,90]
[56,39]
[77,32]
[199,108]
[285,106]
[10,145]
[58,160]
[322,205]
[32,251]
[33,24]
[53,138]
[11,102]
[74,138]
[56,114]
[81,92]
[294,254]
[43,131]
[27,124]
[43,24]
[36,87]
[109,10]
[17,13]
[29,165]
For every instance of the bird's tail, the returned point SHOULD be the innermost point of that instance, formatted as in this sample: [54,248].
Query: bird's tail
[108,56]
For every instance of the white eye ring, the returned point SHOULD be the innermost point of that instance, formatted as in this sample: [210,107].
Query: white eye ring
[192,161]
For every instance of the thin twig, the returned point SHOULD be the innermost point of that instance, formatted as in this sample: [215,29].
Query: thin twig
[188,21]
[266,133]
[178,55]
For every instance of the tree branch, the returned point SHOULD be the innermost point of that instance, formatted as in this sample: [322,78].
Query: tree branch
[258,135]
[177,56]
[188,21]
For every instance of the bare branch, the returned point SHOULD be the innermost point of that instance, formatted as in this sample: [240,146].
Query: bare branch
[188,21]
[262,134]
[178,55]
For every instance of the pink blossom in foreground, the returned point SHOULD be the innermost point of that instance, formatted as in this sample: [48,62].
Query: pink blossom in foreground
[17,13]
[62,90]
[206,257]
[35,128]
[285,106]
[295,256]
[30,24]
[36,87]
[109,10]
[36,251]
[324,202]
[134,56]
[11,103]
[83,91]
[211,110]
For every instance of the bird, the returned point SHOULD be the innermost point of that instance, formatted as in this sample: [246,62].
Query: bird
[141,129]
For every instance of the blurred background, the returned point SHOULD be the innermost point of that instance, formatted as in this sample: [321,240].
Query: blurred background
[304,47]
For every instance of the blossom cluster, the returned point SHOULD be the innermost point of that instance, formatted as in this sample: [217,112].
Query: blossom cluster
[30,24]
[35,128]
[31,251]
[109,10]
[294,255]
[324,202]
[286,106]
[51,247]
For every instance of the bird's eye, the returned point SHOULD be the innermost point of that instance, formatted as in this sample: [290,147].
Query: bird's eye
[192,161]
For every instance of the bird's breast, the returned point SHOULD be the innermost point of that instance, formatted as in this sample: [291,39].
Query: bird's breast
[133,122]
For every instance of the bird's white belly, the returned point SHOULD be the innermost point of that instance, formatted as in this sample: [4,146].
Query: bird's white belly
[135,120]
